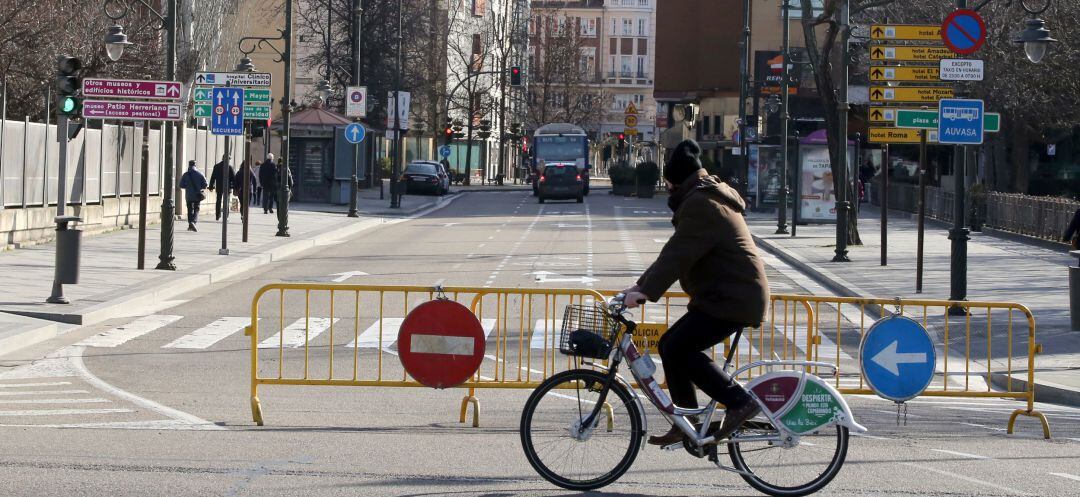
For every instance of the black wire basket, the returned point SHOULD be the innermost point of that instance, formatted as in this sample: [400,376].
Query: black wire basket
[587,331]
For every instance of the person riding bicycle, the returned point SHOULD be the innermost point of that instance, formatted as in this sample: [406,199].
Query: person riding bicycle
[714,258]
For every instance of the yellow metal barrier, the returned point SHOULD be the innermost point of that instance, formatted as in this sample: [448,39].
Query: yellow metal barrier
[340,335]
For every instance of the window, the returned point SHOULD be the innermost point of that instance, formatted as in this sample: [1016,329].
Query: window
[625,66]
[705,125]
[640,66]
[641,27]
[718,125]
[562,27]
[477,53]
[588,27]
[614,25]
[643,3]
[796,8]
[628,27]
[479,8]
[612,59]
[534,25]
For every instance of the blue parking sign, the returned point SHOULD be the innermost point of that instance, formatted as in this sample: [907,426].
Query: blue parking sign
[960,121]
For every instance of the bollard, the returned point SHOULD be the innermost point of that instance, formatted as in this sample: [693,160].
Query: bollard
[1074,293]
[68,245]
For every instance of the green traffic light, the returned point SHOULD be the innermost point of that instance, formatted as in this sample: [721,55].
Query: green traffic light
[68,105]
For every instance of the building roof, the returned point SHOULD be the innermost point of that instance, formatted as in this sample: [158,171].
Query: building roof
[318,116]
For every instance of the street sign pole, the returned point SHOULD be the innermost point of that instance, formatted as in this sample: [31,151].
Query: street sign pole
[922,211]
[144,171]
[245,189]
[885,207]
[842,205]
[223,183]
[781,216]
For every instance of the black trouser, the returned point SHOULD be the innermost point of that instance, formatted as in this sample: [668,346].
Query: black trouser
[193,211]
[219,204]
[256,195]
[686,364]
[269,197]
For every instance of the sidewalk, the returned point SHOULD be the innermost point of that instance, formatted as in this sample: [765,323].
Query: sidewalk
[110,285]
[999,269]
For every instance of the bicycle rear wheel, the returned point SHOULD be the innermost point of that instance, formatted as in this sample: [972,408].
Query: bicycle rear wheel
[799,470]
[553,444]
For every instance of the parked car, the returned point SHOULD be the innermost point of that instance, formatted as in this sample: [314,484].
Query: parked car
[560,182]
[426,177]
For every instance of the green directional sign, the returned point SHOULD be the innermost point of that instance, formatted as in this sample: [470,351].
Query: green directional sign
[928,119]
[256,95]
[257,113]
[203,94]
[992,122]
[203,110]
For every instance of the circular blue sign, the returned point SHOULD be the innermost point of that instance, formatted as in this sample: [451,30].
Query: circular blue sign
[963,31]
[444,151]
[898,358]
[354,133]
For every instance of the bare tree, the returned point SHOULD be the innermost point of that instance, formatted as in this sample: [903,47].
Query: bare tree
[562,86]
[472,69]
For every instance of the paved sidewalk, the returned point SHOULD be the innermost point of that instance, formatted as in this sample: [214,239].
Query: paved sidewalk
[110,285]
[998,270]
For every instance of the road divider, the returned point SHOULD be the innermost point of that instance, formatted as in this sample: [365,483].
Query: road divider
[325,334]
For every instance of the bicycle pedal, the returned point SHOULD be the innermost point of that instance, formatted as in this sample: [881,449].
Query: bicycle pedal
[674,446]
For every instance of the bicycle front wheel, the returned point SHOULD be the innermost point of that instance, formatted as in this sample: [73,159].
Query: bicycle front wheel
[801,469]
[565,452]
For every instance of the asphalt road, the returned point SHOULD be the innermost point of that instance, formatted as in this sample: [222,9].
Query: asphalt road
[157,403]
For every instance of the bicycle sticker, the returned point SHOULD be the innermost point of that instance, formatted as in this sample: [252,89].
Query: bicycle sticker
[776,392]
[816,407]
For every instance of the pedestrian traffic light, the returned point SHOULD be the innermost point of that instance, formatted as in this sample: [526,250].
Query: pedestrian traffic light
[68,86]
[515,76]
[622,138]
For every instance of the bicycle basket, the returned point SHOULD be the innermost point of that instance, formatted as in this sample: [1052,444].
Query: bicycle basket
[587,331]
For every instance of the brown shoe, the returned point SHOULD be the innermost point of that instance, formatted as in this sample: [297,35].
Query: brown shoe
[673,436]
[734,418]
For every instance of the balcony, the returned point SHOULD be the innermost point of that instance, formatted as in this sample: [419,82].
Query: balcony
[629,77]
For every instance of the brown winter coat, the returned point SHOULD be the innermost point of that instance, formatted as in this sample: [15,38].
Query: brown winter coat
[711,254]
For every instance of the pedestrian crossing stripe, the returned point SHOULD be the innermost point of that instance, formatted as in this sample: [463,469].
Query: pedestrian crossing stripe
[120,335]
[301,331]
[210,334]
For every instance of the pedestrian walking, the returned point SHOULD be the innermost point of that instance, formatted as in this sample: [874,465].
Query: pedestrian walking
[268,181]
[220,179]
[194,184]
[256,192]
[1072,233]
[238,186]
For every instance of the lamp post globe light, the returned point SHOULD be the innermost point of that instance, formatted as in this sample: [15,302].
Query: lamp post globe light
[1036,39]
[116,41]
[324,90]
[245,65]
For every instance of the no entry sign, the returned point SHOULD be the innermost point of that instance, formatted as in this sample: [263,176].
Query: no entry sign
[963,31]
[441,344]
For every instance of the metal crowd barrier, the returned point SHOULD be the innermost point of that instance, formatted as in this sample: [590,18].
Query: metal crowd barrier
[344,335]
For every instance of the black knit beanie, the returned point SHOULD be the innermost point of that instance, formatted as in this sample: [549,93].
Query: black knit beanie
[683,163]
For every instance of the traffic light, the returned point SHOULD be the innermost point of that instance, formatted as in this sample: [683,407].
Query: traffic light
[515,76]
[68,86]
[458,128]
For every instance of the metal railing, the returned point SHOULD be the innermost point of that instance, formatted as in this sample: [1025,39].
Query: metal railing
[344,335]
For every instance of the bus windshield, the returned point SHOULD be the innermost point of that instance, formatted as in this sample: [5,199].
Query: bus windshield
[560,148]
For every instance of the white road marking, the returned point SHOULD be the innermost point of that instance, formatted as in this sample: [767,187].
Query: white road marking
[56,401]
[961,454]
[965,478]
[589,247]
[42,392]
[210,334]
[135,329]
[23,385]
[983,426]
[1067,476]
[63,412]
[871,437]
[391,327]
[293,336]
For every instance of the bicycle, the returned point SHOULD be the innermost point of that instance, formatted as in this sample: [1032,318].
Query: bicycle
[772,452]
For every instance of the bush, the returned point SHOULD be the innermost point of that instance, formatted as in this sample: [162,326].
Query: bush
[648,173]
[621,174]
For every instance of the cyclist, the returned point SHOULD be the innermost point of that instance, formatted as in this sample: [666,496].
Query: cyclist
[714,258]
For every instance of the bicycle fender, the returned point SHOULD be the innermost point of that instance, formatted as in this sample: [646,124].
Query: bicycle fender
[801,401]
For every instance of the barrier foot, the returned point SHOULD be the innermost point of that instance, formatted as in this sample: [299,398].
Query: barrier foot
[256,410]
[1033,414]
[469,399]
[610,417]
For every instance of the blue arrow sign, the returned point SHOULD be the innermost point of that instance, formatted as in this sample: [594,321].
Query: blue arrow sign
[897,358]
[444,151]
[228,112]
[354,133]
[960,121]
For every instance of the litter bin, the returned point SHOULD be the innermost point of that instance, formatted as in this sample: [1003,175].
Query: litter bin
[68,244]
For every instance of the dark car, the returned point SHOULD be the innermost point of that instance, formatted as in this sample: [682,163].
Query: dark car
[425,177]
[560,182]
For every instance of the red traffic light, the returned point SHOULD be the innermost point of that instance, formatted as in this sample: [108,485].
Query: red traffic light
[622,137]
[449,131]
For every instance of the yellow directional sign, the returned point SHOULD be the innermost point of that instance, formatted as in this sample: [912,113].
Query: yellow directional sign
[882,73]
[914,54]
[910,94]
[905,32]
[886,114]
[900,135]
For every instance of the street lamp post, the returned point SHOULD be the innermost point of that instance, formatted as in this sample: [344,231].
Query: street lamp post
[785,85]
[744,81]
[843,207]
[358,11]
[115,43]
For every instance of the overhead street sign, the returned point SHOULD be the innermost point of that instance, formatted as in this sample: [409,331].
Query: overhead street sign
[963,31]
[911,73]
[909,32]
[899,136]
[898,358]
[917,119]
[441,343]
[356,103]
[252,96]
[127,88]
[960,121]
[233,78]
[961,70]
[228,114]
[911,54]
[251,112]
[910,94]
[131,111]
[883,114]
[354,133]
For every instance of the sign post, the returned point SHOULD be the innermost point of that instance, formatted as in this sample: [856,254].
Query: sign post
[354,133]
[228,120]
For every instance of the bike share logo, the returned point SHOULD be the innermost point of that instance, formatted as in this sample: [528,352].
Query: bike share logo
[816,407]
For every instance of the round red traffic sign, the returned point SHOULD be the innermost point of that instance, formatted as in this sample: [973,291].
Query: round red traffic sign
[356,96]
[963,31]
[441,343]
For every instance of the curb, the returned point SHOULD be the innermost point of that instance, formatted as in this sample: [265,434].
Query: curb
[157,292]
[1052,393]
